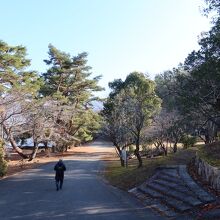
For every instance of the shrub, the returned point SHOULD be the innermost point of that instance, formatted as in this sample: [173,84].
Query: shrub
[3,162]
[131,149]
[188,141]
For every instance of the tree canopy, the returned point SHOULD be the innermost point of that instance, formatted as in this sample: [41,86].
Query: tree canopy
[53,106]
[130,106]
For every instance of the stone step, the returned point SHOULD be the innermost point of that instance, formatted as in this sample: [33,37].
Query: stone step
[166,190]
[199,191]
[177,205]
[171,202]
[167,181]
[149,191]
[141,196]
[174,182]
[145,199]
[172,172]
[185,179]
[153,203]
[169,178]
[163,209]
[169,174]
[176,187]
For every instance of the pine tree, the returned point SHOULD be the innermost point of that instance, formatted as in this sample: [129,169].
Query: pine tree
[70,84]
[18,88]
[3,162]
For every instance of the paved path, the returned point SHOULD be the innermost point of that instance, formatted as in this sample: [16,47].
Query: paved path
[32,195]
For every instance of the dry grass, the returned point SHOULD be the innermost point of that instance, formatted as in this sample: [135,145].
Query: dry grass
[127,178]
[210,153]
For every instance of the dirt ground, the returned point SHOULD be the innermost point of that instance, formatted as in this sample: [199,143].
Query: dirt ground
[17,164]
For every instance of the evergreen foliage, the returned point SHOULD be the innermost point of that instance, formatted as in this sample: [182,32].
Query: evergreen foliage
[68,81]
[188,141]
[3,162]
[193,89]
[56,106]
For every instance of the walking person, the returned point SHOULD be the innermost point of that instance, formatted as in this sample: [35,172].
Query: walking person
[59,177]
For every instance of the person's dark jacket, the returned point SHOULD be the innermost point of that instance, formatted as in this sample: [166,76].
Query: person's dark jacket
[59,168]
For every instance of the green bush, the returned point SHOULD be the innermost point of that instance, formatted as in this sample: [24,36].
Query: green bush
[3,162]
[144,148]
[131,149]
[188,141]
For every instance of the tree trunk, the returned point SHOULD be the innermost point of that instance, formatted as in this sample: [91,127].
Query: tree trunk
[164,149]
[46,149]
[13,143]
[118,151]
[122,162]
[66,148]
[203,139]
[34,153]
[207,138]
[175,147]
[137,153]
[53,149]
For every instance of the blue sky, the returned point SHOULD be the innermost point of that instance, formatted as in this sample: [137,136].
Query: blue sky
[120,36]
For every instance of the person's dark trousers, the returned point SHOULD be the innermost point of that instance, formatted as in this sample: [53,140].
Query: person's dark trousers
[59,186]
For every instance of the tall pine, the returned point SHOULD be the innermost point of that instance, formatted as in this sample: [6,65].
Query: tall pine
[68,80]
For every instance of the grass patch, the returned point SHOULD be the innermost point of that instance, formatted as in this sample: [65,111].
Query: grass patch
[210,153]
[127,178]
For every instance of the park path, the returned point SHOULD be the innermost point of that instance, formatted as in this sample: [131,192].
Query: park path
[31,194]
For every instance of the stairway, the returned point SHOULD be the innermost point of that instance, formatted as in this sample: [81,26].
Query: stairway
[171,191]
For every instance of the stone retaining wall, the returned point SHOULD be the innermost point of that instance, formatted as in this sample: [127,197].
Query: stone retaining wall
[207,172]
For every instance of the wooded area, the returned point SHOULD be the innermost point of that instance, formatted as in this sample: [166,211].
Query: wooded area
[181,105]
[55,108]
